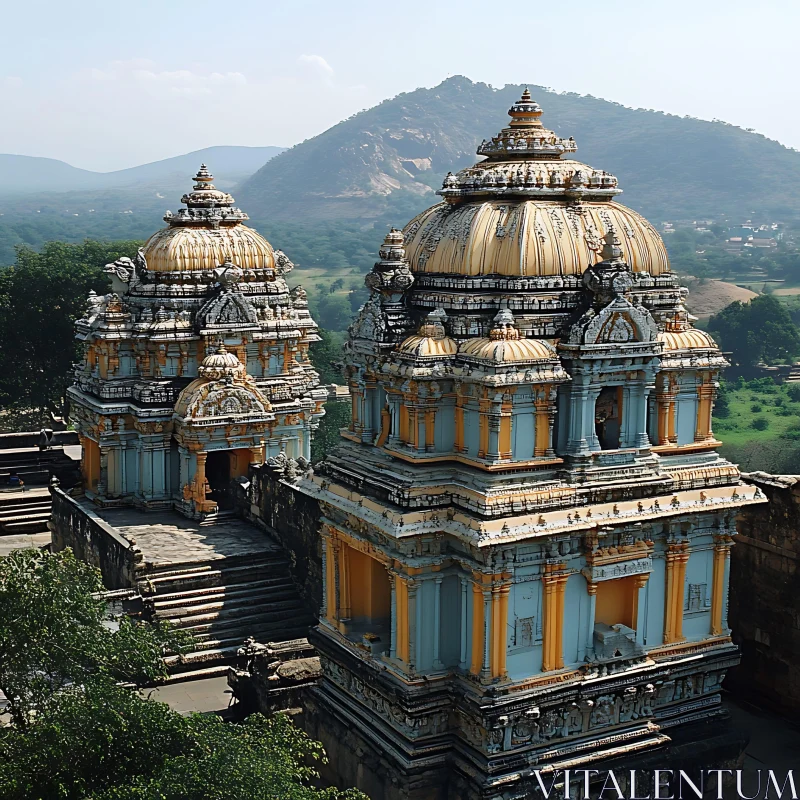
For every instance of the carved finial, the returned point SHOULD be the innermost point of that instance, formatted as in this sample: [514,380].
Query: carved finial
[611,249]
[504,326]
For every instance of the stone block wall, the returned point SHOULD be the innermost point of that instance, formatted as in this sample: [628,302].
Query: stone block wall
[74,524]
[293,519]
[764,604]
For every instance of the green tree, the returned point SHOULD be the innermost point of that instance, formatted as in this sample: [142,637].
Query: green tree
[41,296]
[326,437]
[761,330]
[92,738]
[326,356]
[55,631]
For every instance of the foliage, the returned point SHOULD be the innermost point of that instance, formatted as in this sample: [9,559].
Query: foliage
[55,631]
[41,296]
[760,423]
[759,331]
[326,356]
[326,437]
[793,390]
[92,738]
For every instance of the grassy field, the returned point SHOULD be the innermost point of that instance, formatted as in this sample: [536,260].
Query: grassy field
[759,425]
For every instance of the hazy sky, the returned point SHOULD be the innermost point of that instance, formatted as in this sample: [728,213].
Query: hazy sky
[107,85]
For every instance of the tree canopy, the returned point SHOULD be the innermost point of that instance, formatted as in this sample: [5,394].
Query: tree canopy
[41,296]
[761,330]
[80,732]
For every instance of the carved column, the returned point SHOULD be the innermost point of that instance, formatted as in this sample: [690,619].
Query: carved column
[722,552]
[344,582]
[591,588]
[200,478]
[486,666]
[393,627]
[543,429]
[665,403]
[459,445]
[102,484]
[462,661]
[640,607]
[437,611]
[554,584]
[705,402]
[484,405]
[401,604]
[677,556]
[413,628]
[505,448]
[430,430]
[477,628]
[330,554]
[499,629]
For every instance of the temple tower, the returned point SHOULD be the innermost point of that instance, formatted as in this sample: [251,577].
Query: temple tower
[526,531]
[196,365]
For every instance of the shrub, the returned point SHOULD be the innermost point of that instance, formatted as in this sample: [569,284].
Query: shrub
[793,390]
[760,423]
[755,407]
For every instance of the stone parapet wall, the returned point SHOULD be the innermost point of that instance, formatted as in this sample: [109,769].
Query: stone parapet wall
[74,524]
[15,441]
[764,606]
[293,519]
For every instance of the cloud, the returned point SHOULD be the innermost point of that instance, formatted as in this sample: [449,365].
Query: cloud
[318,65]
[144,72]
[12,82]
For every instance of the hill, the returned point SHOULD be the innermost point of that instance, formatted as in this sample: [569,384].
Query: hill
[29,175]
[709,297]
[393,156]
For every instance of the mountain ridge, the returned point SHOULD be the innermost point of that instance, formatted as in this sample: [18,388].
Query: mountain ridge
[396,153]
[36,174]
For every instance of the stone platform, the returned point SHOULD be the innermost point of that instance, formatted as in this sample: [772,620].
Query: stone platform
[166,538]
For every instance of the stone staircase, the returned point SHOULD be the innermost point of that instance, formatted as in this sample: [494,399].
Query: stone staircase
[24,512]
[221,603]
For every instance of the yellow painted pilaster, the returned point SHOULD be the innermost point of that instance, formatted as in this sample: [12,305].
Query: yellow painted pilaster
[542,431]
[476,661]
[401,600]
[506,419]
[705,398]
[330,580]
[677,556]
[483,425]
[344,581]
[499,625]
[722,551]
[554,584]
[459,414]
[430,429]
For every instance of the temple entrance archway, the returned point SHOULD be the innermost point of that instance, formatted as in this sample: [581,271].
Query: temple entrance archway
[218,474]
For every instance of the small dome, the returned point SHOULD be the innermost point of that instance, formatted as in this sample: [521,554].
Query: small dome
[206,234]
[221,364]
[505,345]
[430,341]
[690,339]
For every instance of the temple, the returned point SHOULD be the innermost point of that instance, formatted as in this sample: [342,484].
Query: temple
[526,533]
[195,366]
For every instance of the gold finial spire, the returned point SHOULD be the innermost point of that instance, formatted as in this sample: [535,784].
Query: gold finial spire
[525,113]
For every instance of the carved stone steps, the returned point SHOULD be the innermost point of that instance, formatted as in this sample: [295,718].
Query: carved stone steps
[185,598]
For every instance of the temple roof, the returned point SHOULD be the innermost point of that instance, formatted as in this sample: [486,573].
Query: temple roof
[207,233]
[526,210]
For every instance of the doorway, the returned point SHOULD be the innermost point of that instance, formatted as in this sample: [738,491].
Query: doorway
[218,474]
[608,417]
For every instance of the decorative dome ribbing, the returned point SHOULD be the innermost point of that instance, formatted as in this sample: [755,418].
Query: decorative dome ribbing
[526,210]
[205,234]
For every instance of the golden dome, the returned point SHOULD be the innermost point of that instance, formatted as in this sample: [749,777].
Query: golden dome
[528,238]
[690,339]
[508,351]
[430,341]
[206,234]
[187,249]
[527,211]
[428,347]
[505,345]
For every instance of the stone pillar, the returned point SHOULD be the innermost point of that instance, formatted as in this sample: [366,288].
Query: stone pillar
[554,584]
[591,588]
[394,413]
[257,454]
[330,554]
[200,478]
[677,556]
[477,629]
[722,552]
[344,582]
[643,437]
[640,607]
[413,631]
[486,665]
[393,626]
[462,661]
[102,484]
[501,634]
[505,449]
[484,405]
[459,445]
[430,430]
[705,401]
[437,612]
[401,609]
[665,402]
[543,428]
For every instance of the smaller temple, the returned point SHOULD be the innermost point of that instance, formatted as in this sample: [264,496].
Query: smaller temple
[195,365]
